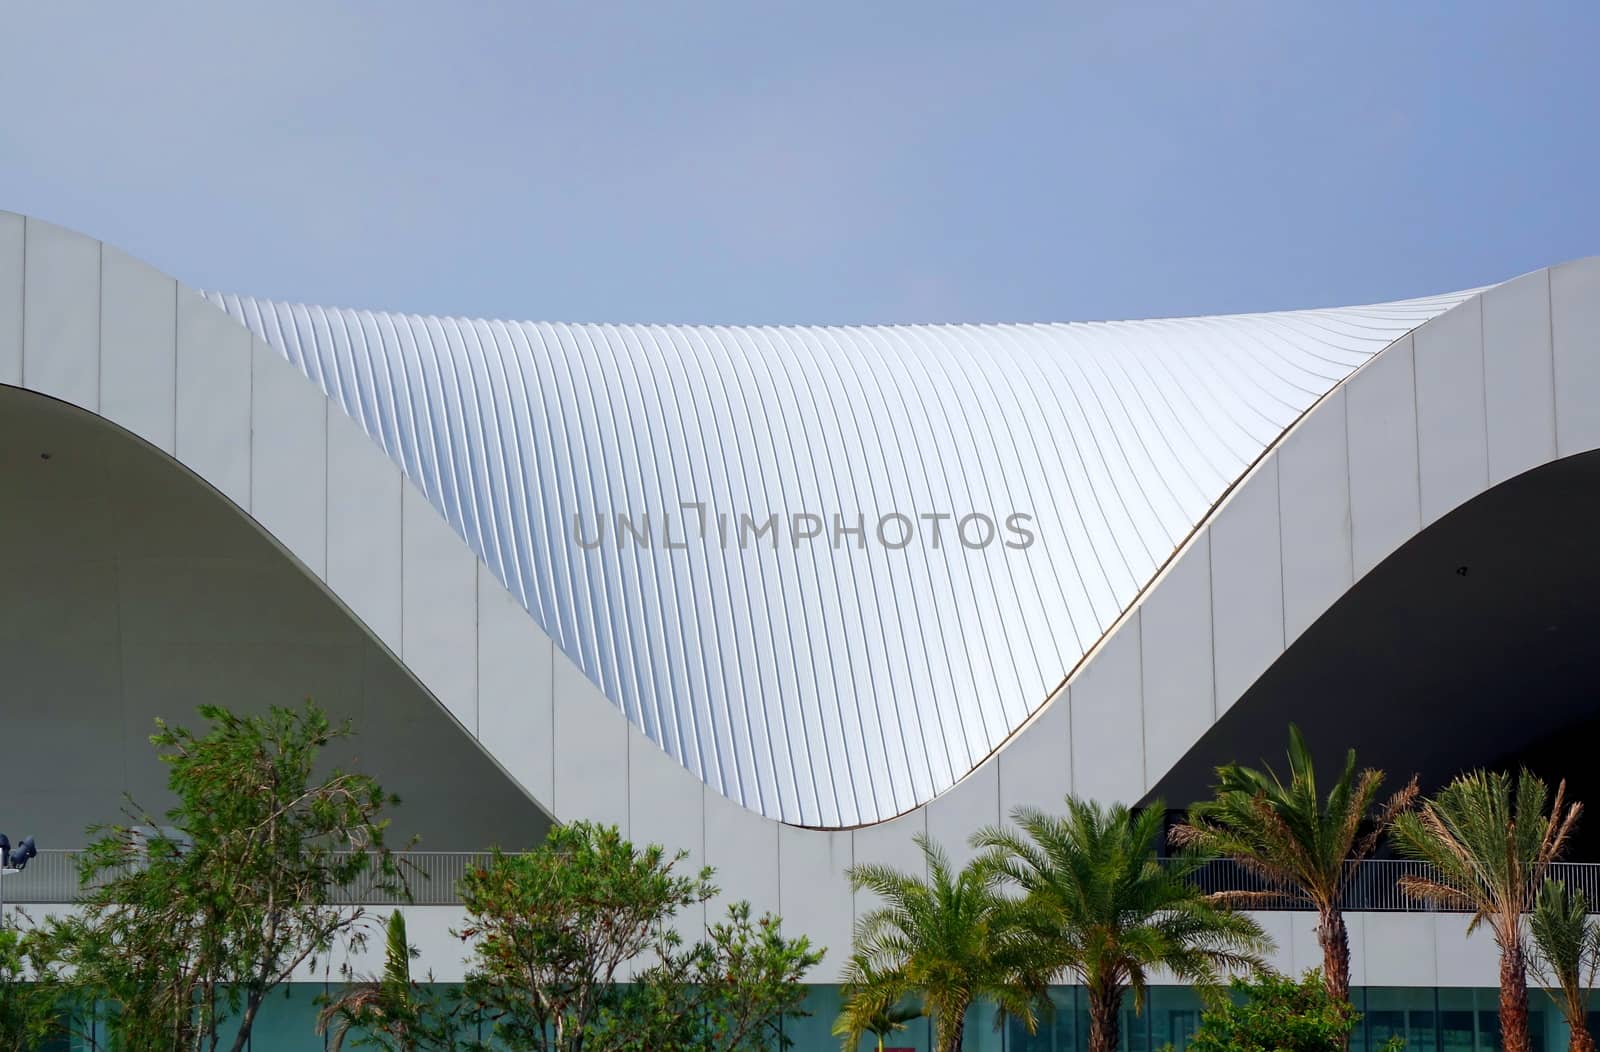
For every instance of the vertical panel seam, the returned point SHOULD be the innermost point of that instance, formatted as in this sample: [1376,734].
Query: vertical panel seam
[99,325]
[477,644]
[627,775]
[1211,611]
[705,857]
[402,639]
[327,472]
[250,456]
[855,914]
[1349,484]
[176,342]
[22,319]
[850,846]
[1550,346]
[1144,742]
[1433,919]
[552,752]
[1072,747]
[1416,427]
[554,701]
[1483,372]
[1283,591]
[1211,635]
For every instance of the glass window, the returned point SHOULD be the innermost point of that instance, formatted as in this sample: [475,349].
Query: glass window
[1409,1014]
[1174,1016]
[1539,1023]
[815,1029]
[1457,1021]
[288,1019]
[1058,1029]
[980,1033]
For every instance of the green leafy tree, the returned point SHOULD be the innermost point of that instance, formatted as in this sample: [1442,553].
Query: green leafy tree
[1274,1013]
[553,929]
[192,921]
[1566,953]
[28,994]
[392,1012]
[1098,897]
[947,940]
[1489,842]
[1301,843]
[557,932]
[729,992]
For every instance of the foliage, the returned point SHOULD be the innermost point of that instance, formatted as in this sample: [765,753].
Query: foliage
[554,930]
[27,999]
[1566,954]
[392,1012]
[947,940]
[1274,1013]
[194,921]
[1301,844]
[879,1021]
[1107,911]
[1490,841]
[727,993]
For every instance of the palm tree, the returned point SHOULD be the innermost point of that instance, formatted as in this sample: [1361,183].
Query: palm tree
[882,1023]
[1298,842]
[387,1009]
[1566,953]
[1489,842]
[1108,910]
[949,940]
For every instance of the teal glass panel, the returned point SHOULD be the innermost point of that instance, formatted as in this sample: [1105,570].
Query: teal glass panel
[1428,1020]
[1409,1014]
[1458,1029]
[288,1019]
[1174,1016]
[1543,1021]
[980,1034]
[815,1029]
[1058,1030]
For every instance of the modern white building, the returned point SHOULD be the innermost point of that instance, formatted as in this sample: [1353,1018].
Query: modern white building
[785,597]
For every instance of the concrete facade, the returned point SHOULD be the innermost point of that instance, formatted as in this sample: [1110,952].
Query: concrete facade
[386,591]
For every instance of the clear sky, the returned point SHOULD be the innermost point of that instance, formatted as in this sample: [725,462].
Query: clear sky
[812,162]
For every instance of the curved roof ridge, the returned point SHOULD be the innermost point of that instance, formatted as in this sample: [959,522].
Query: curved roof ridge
[1428,303]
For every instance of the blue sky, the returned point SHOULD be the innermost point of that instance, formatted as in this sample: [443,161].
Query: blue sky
[813,162]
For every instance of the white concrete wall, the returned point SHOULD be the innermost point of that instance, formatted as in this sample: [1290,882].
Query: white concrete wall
[1386,949]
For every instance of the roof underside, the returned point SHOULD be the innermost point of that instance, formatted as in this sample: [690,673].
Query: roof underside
[845,678]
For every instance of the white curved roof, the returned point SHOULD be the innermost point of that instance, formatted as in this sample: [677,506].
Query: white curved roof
[819,684]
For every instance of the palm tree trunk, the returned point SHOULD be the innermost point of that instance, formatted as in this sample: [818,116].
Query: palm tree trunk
[1334,938]
[948,1030]
[1105,1017]
[1513,999]
[1580,1041]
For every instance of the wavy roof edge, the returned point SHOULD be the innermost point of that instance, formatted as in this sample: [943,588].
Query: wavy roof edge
[784,685]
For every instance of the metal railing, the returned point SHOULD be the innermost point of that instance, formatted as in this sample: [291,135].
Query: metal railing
[1373,886]
[433,876]
[51,876]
